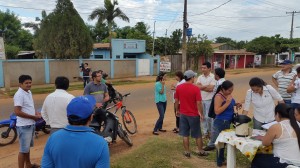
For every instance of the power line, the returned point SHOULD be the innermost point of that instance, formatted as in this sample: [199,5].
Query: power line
[212,8]
[246,17]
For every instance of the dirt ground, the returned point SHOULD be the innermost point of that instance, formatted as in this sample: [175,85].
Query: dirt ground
[142,105]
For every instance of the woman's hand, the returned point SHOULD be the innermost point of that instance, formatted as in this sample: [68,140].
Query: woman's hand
[229,99]
[238,106]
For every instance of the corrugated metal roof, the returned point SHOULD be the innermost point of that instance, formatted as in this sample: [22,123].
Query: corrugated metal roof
[101,45]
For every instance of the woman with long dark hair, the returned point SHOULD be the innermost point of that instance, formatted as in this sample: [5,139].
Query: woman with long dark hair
[224,109]
[262,97]
[285,137]
[161,101]
[179,77]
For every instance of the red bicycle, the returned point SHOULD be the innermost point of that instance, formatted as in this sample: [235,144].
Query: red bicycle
[128,118]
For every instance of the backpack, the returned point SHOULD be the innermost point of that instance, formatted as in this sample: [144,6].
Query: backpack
[211,111]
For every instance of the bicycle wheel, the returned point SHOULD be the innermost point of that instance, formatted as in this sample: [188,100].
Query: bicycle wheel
[129,122]
[7,137]
[124,136]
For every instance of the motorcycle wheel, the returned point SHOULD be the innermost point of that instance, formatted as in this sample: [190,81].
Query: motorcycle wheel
[124,136]
[11,138]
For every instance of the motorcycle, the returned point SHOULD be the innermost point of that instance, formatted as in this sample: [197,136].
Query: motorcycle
[8,129]
[107,125]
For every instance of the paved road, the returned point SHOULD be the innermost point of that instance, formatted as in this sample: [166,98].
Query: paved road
[142,94]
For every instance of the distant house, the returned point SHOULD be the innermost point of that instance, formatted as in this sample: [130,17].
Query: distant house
[26,55]
[227,57]
[120,49]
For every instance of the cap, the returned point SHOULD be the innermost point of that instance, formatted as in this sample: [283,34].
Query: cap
[189,74]
[82,107]
[286,62]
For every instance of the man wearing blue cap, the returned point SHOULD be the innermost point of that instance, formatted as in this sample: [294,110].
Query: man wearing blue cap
[77,145]
[283,78]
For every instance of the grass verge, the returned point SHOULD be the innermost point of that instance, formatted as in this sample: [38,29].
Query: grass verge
[156,153]
[50,89]
[166,152]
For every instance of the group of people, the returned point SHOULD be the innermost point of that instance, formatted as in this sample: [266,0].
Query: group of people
[72,142]
[194,99]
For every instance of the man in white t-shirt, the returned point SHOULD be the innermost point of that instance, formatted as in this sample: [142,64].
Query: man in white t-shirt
[54,110]
[206,83]
[26,117]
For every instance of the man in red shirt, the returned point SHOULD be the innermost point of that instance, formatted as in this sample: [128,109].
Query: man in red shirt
[190,111]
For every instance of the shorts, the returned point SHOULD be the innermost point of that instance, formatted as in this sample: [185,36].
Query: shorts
[26,134]
[190,126]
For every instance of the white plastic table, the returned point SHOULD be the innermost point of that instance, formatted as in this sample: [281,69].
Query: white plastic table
[247,146]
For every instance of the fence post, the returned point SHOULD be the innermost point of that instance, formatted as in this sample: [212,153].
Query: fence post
[47,71]
[112,68]
[151,66]
[136,67]
[1,74]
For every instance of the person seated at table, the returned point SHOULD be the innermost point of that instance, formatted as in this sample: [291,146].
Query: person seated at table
[262,97]
[224,109]
[285,137]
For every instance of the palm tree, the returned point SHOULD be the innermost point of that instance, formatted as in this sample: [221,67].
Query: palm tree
[108,14]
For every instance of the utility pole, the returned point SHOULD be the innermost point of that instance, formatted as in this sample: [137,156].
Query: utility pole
[292,25]
[184,47]
[153,39]
[166,42]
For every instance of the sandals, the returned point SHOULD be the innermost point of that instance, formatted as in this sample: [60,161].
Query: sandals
[155,133]
[35,165]
[187,154]
[175,130]
[202,153]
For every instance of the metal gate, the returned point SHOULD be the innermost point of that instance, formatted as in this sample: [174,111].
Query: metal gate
[143,67]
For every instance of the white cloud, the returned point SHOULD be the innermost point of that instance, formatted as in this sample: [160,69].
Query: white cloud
[228,20]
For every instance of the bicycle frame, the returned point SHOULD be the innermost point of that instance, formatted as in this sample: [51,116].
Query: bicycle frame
[118,105]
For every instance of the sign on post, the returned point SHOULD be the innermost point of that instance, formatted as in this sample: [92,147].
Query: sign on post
[2,49]
[165,66]
[257,60]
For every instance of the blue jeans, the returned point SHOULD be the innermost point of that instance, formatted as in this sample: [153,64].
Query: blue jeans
[267,160]
[26,134]
[206,124]
[295,105]
[218,126]
[161,107]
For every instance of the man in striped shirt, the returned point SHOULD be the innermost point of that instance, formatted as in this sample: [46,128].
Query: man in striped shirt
[283,78]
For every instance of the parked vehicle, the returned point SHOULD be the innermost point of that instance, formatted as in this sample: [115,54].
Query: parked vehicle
[128,118]
[107,125]
[8,129]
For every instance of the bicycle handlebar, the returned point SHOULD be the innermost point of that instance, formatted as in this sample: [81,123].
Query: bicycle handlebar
[125,95]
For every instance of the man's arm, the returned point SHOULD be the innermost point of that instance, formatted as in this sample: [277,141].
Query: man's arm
[275,81]
[106,97]
[103,161]
[200,109]
[47,161]
[20,113]
[44,112]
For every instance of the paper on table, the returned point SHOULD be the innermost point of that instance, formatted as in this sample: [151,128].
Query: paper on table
[268,125]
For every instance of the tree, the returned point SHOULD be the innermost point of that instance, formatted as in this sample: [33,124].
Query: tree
[197,47]
[108,14]
[63,34]
[223,40]
[261,45]
[175,41]
[15,38]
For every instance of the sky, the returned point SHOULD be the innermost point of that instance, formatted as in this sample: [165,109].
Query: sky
[237,19]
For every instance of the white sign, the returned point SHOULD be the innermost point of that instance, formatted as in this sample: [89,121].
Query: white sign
[165,66]
[2,49]
[257,60]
